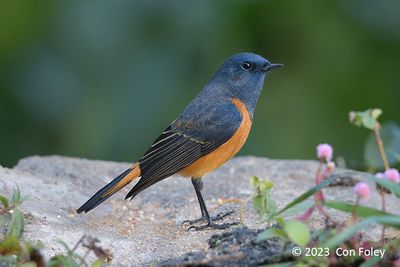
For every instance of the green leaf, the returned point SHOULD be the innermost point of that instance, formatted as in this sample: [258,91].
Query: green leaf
[322,234]
[9,246]
[65,245]
[299,208]
[265,185]
[16,196]
[62,260]
[392,221]
[281,221]
[17,224]
[366,118]
[3,220]
[97,263]
[270,208]
[368,122]
[307,194]
[259,203]
[280,232]
[360,211]
[376,113]
[390,134]
[254,181]
[298,232]
[8,261]
[4,201]
[266,234]
[389,185]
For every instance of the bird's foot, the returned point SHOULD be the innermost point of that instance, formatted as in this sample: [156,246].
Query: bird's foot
[217,217]
[212,225]
[210,222]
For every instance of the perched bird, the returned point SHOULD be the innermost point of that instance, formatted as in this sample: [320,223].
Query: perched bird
[209,132]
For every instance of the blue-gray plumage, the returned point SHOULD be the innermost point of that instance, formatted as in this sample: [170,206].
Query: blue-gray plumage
[209,131]
[211,114]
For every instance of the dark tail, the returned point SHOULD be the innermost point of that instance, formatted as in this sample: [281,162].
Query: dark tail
[122,180]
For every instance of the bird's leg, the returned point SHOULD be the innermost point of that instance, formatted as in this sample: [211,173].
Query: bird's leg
[198,185]
[205,216]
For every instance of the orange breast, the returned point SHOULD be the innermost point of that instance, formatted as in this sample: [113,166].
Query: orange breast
[226,151]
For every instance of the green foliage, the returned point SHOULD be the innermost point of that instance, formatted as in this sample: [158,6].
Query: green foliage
[262,201]
[347,233]
[15,252]
[17,224]
[359,210]
[390,134]
[388,185]
[4,201]
[366,119]
[336,234]
[10,214]
[72,259]
[395,188]
[306,195]
[297,232]
[292,230]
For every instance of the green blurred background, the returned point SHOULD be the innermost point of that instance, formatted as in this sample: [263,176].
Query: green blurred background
[101,79]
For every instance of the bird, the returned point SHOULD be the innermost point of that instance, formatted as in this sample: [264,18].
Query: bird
[212,129]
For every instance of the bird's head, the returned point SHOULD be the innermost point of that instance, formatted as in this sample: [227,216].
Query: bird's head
[243,76]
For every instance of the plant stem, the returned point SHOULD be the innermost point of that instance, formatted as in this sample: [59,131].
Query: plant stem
[379,143]
[382,193]
[242,206]
[353,219]
[381,149]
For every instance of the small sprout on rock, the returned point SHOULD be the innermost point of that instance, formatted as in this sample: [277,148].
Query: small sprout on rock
[262,202]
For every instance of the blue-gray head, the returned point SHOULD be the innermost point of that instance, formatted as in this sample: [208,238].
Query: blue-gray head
[242,76]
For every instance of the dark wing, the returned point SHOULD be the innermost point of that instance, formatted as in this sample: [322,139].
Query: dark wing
[171,152]
[182,143]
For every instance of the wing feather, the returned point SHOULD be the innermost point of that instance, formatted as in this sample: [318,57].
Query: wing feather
[193,134]
[175,154]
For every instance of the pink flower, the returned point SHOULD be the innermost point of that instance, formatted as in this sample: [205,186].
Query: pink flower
[362,190]
[392,175]
[325,152]
[330,166]
[380,175]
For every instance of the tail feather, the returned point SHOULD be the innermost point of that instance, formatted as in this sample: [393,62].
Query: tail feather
[103,194]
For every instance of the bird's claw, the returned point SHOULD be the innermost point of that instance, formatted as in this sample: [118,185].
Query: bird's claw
[210,222]
[201,219]
[217,217]
[212,225]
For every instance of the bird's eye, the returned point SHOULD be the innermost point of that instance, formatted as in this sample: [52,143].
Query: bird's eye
[246,65]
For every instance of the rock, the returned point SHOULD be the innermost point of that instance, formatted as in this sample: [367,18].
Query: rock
[236,248]
[148,229]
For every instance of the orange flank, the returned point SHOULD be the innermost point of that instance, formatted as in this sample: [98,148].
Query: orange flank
[222,154]
[133,174]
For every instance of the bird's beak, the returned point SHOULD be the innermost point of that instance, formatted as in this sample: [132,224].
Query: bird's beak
[270,67]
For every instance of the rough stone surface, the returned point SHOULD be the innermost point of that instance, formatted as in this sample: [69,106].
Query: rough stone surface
[238,247]
[148,229]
